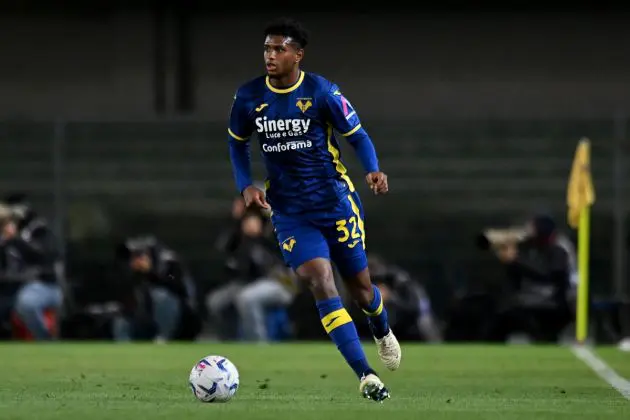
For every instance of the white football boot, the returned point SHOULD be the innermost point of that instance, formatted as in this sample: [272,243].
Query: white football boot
[389,350]
[372,388]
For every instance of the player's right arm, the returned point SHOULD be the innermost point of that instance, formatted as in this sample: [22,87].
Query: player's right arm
[239,131]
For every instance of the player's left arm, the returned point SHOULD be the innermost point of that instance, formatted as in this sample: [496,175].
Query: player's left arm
[345,120]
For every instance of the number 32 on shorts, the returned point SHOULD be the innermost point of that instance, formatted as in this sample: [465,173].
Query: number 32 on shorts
[353,233]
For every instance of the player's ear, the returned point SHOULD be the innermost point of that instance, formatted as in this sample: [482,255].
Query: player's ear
[299,55]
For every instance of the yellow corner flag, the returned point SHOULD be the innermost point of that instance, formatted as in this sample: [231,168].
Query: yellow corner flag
[580,197]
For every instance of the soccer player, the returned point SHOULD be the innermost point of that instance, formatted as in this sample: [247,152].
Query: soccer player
[315,209]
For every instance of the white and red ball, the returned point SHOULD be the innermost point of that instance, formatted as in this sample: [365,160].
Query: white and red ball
[214,379]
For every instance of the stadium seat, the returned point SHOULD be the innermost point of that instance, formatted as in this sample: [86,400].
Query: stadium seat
[20,332]
[278,324]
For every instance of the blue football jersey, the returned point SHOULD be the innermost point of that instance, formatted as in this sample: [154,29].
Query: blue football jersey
[295,127]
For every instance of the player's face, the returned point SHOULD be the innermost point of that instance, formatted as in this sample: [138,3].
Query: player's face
[282,55]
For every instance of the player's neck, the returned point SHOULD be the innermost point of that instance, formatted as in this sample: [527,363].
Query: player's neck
[286,81]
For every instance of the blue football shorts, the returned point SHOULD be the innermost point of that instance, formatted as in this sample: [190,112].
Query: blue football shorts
[337,235]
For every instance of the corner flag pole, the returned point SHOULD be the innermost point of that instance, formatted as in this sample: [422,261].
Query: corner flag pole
[583,268]
[580,198]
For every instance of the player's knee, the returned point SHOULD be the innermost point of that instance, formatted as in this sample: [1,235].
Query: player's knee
[320,280]
[322,287]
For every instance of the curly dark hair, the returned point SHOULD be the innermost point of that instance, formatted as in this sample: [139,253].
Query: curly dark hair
[289,28]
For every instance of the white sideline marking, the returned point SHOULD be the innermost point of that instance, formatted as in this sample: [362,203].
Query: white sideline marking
[602,370]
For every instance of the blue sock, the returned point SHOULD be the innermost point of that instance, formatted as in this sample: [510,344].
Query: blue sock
[377,315]
[341,329]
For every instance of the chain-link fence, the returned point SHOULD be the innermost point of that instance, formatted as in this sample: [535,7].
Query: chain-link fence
[100,181]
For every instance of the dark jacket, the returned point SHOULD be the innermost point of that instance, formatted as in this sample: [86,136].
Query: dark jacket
[541,273]
[167,271]
[32,254]
[254,258]
[408,296]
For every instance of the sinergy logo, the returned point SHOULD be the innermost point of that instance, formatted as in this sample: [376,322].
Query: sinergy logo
[276,129]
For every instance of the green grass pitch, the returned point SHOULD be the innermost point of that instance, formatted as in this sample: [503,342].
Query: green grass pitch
[303,382]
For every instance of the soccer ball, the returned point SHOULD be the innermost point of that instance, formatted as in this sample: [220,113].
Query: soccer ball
[214,379]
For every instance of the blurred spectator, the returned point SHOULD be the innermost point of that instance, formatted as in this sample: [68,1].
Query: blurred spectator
[160,300]
[229,239]
[276,290]
[541,270]
[29,259]
[256,270]
[219,300]
[407,303]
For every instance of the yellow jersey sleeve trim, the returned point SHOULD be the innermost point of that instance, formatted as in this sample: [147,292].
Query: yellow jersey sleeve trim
[231,133]
[351,132]
[287,90]
[339,166]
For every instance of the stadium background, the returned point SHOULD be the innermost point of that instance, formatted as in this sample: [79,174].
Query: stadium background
[113,121]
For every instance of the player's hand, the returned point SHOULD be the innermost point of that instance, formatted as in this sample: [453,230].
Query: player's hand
[255,197]
[377,182]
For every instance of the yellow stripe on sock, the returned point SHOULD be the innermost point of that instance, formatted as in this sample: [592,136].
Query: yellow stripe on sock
[377,312]
[336,319]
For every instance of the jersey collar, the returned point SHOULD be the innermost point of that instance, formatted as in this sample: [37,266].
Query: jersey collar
[285,90]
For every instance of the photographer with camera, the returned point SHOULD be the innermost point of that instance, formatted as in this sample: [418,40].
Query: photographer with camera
[28,258]
[541,267]
[159,302]
[406,300]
